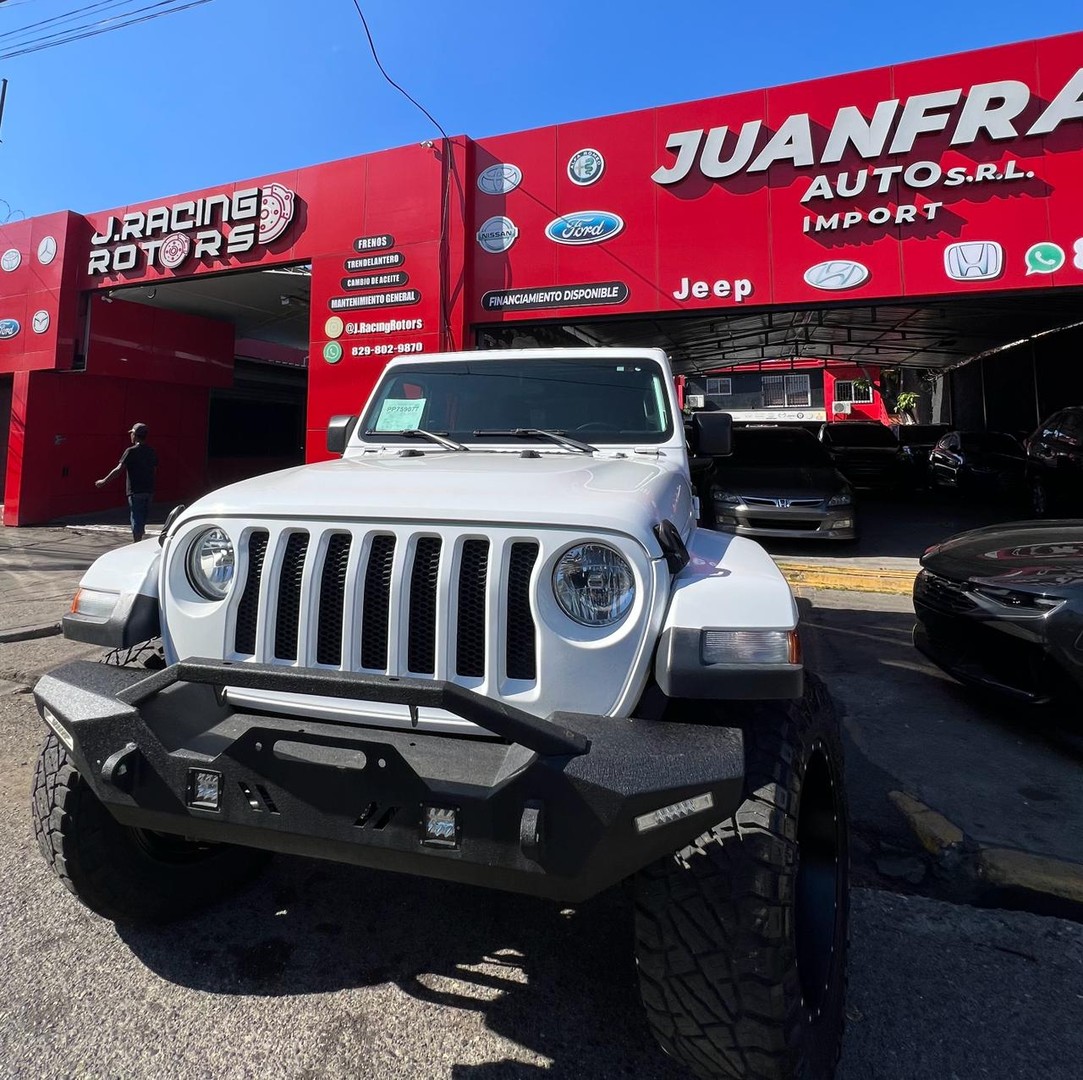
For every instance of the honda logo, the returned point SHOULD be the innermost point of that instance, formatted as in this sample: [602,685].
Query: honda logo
[975,260]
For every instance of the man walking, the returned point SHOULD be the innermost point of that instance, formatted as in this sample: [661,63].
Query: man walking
[139,462]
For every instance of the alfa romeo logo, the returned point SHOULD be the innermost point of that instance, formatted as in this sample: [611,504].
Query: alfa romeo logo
[585,167]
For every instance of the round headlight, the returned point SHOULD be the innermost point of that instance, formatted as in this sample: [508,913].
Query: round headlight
[594,585]
[211,563]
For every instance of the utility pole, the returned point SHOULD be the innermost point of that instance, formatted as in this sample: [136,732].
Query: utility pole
[3,98]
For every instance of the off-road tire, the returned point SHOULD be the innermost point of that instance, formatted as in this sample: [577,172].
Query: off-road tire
[741,937]
[125,874]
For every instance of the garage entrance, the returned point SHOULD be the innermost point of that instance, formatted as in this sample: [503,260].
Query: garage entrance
[976,364]
[256,423]
[991,363]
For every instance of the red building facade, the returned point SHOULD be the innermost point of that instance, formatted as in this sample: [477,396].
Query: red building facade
[941,178]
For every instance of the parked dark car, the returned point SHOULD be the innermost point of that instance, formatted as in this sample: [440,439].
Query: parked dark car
[865,452]
[916,441]
[979,462]
[780,482]
[1055,464]
[1001,608]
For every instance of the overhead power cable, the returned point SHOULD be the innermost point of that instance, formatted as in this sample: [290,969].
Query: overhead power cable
[413,101]
[67,16]
[105,26]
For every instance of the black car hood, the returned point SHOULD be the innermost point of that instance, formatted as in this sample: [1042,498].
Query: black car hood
[1038,554]
[780,481]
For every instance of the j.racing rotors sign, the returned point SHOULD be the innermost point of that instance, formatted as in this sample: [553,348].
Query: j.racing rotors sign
[215,227]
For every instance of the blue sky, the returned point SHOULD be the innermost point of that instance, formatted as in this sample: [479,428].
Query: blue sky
[237,88]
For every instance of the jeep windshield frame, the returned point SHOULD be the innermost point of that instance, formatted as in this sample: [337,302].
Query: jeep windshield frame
[592,401]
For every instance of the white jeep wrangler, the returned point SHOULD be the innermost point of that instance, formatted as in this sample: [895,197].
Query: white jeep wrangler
[491,645]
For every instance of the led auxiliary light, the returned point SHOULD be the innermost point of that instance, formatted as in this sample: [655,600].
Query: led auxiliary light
[58,727]
[204,789]
[665,815]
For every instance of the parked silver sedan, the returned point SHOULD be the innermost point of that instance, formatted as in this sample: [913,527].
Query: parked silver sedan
[780,482]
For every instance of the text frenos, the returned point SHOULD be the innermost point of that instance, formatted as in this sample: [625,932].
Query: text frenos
[214,227]
[737,290]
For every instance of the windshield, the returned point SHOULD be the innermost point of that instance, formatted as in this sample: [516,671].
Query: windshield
[773,449]
[860,435]
[595,401]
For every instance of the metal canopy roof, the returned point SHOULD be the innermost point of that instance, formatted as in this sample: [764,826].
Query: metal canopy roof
[265,305]
[937,335]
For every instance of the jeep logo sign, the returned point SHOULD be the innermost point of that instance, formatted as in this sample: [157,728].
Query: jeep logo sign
[584,227]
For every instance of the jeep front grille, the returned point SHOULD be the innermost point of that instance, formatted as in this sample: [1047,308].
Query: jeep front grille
[387,601]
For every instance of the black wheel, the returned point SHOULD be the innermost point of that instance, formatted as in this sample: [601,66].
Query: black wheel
[741,938]
[123,873]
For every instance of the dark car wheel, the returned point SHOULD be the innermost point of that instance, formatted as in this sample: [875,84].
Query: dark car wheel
[126,874]
[741,937]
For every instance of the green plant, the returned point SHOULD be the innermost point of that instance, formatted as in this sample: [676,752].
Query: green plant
[906,401]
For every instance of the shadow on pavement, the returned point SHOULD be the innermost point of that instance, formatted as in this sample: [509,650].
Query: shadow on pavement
[560,981]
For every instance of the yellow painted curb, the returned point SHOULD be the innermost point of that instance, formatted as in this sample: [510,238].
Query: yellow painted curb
[1035,873]
[936,833]
[852,578]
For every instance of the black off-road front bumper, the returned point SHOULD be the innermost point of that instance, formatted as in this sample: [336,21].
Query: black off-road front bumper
[562,807]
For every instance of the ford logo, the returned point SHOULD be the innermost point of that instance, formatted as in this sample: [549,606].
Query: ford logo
[9,328]
[837,274]
[500,179]
[585,227]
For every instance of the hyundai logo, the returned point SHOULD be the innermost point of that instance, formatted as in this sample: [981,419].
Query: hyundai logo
[499,179]
[837,274]
[585,227]
[975,260]
[9,328]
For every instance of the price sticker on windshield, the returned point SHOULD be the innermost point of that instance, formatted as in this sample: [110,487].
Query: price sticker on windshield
[400,414]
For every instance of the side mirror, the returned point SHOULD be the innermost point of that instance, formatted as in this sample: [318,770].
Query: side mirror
[339,429]
[711,434]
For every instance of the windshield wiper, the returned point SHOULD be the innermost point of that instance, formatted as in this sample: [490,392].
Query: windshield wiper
[557,437]
[417,433]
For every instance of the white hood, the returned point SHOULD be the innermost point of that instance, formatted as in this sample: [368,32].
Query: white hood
[626,495]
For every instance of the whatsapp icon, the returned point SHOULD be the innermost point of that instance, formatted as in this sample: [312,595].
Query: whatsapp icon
[1044,258]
